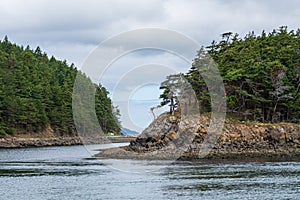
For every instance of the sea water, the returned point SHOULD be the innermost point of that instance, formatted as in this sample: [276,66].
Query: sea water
[72,173]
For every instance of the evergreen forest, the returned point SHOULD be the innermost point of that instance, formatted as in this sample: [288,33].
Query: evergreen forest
[36,93]
[261,75]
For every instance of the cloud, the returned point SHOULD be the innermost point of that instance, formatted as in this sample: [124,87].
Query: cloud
[71,30]
[129,66]
[78,17]
[46,22]
[207,20]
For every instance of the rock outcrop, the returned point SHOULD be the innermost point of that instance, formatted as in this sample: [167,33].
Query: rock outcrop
[177,137]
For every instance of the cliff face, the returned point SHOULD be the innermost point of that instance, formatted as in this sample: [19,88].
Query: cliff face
[174,137]
[239,135]
[239,140]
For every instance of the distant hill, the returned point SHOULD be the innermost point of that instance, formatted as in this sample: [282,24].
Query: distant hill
[126,131]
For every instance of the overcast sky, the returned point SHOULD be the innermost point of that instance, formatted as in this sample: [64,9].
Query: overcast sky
[72,29]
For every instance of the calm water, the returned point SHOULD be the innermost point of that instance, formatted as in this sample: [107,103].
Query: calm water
[68,173]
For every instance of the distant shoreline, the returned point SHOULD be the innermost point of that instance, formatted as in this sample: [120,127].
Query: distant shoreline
[16,142]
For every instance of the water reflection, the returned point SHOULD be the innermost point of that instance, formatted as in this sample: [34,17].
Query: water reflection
[69,173]
[21,169]
[243,180]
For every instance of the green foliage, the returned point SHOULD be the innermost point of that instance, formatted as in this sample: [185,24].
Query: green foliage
[2,133]
[36,92]
[107,115]
[173,83]
[261,75]
[10,131]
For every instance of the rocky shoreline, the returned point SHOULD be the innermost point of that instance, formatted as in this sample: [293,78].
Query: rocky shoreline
[170,137]
[287,154]
[17,142]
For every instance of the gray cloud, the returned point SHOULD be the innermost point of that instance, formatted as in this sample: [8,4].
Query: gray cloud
[72,29]
[80,22]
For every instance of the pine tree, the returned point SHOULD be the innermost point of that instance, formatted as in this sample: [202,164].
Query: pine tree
[36,92]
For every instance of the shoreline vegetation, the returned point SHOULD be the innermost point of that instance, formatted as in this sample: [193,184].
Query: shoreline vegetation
[37,94]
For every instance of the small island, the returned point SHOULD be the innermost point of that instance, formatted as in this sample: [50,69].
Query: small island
[239,140]
[261,76]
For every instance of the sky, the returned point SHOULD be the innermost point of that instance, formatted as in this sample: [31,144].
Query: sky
[72,30]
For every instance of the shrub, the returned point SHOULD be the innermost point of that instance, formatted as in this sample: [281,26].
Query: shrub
[10,131]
